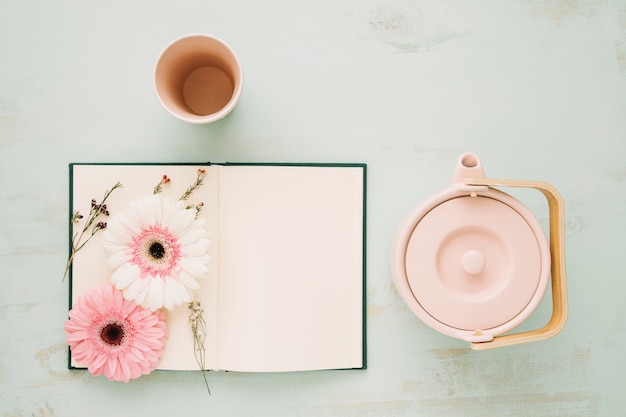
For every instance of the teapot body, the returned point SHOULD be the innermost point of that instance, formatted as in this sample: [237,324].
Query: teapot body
[471,262]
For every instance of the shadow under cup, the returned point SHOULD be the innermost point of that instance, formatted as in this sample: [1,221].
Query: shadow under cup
[198,79]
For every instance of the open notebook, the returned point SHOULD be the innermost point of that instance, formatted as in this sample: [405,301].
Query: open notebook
[285,288]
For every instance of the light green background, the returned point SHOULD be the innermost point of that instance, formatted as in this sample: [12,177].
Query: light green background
[536,88]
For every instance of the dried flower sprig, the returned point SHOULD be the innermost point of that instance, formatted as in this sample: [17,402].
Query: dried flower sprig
[196,207]
[91,227]
[159,187]
[196,320]
[198,328]
[196,184]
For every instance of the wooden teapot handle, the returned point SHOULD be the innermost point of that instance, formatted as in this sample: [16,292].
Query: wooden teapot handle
[557,252]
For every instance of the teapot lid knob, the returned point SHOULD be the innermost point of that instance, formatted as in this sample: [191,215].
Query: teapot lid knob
[473,262]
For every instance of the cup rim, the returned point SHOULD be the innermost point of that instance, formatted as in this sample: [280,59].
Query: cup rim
[209,118]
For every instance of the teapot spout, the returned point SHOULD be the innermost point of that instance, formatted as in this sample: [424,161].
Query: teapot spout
[467,166]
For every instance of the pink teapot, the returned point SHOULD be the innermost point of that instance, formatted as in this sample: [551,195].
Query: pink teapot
[472,262]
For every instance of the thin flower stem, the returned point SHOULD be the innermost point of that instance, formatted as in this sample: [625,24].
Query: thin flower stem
[93,232]
[94,212]
[196,320]
[159,187]
[199,330]
[196,184]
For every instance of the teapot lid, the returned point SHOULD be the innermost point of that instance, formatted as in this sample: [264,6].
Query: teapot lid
[475,262]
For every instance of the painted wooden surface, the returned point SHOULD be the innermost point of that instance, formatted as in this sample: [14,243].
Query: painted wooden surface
[536,88]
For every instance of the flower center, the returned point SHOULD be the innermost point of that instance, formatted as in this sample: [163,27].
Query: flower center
[157,250]
[113,334]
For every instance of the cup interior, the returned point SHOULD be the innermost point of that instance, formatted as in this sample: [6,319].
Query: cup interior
[198,79]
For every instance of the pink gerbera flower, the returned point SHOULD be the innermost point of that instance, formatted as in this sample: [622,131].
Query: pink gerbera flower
[114,336]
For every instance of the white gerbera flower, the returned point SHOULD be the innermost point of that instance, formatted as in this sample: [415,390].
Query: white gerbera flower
[157,251]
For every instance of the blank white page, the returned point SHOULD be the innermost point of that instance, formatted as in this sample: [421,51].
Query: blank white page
[291,268]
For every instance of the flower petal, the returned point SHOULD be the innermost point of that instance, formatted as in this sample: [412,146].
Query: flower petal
[154,296]
[125,275]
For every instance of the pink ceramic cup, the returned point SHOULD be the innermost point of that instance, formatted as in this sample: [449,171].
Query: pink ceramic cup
[198,78]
